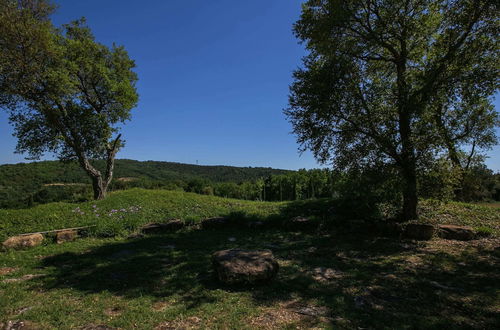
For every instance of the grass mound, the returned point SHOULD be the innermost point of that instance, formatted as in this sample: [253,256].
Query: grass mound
[123,211]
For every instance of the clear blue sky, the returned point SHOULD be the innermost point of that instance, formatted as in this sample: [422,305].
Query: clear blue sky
[213,79]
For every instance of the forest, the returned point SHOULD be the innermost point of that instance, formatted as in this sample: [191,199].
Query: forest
[29,184]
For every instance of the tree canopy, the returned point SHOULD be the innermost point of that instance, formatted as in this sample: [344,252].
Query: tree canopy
[75,95]
[396,83]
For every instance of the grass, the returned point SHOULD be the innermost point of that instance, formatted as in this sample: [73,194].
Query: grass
[328,279]
[167,280]
[136,207]
[147,206]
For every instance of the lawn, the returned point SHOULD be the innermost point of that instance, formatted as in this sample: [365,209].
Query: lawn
[325,281]
[337,277]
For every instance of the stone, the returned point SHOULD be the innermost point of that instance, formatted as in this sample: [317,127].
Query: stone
[461,233]
[18,325]
[66,236]
[135,235]
[300,223]
[419,231]
[215,223]
[238,266]
[155,228]
[23,241]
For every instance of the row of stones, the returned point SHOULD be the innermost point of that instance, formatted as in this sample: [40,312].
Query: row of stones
[421,231]
[30,240]
[25,241]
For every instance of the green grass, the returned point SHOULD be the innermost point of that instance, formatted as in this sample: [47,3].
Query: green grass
[456,213]
[160,205]
[142,283]
[154,206]
[166,280]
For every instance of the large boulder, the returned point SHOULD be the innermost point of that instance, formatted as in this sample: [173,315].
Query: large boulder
[215,223]
[23,241]
[461,233]
[238,266]
[419,231]
[155,228]
[66,236]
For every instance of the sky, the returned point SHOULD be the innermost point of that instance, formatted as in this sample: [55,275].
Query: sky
[213,79]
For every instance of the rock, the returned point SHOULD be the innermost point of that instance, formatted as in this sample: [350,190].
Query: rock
[215,223]
[154,228]
[238,266]
[460,233]
[300,223]
[24,241]
[24,325]
[66,236]
[135,235]
[419,231]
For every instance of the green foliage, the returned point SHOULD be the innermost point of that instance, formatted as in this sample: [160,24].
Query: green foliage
[19,182]
[395,82]
[26,46]
[88,89]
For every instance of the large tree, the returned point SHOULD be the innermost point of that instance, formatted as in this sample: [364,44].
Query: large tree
[74,97]
[396,81]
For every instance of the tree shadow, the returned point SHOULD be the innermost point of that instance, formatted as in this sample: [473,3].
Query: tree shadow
[374,282]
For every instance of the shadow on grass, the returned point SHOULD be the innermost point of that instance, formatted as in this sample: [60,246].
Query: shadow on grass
[377,282]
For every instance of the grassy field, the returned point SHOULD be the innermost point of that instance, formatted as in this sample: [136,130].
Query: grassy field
[123,211]
[332,278]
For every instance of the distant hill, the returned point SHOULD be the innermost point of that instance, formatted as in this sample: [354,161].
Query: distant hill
[20,181]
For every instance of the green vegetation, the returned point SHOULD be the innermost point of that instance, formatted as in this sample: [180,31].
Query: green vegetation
[124,211]
[344,279]
[397,84]
[22,185]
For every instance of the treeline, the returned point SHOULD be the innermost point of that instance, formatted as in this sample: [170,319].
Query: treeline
[370,185]
[25,185]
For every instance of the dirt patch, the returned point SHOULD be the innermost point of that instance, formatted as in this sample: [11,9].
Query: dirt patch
[7,270]
[114,311]
[160,306]
[192,322]
[290,313]
[325,275]
[96,327]
[126,179]
[22,278]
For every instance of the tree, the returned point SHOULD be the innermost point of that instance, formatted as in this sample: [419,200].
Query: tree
[25,45]
[75,102]
[395,82]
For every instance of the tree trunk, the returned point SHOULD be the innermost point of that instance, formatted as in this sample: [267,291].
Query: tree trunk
[410,197]
[99,187]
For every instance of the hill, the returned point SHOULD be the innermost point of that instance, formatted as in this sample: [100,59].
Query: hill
[341,277]
[21,182]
